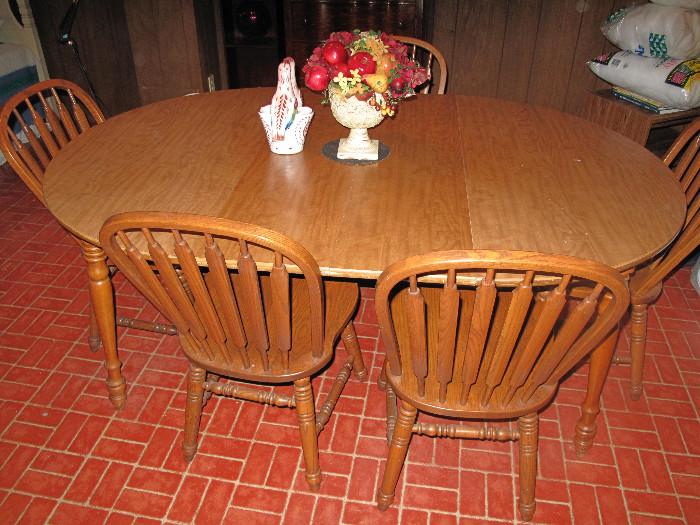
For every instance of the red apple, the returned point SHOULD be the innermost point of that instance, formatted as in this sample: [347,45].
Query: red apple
[397,85]
[316,78]
[334,53]
[363,61]
[340,68]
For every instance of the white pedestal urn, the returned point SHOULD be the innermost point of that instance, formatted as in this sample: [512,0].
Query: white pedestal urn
[357,115]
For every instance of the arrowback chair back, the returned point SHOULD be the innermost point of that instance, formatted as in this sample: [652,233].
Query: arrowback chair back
[494,347]
[222,319]
[426,54]
[39,121]
[248,303]
[683,157]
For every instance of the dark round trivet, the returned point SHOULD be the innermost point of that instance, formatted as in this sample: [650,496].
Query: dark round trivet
[330,150]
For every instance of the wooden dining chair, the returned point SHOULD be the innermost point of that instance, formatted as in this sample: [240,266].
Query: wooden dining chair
[486,335]
[38,123]
[683,157]
[271,321]
[427,55]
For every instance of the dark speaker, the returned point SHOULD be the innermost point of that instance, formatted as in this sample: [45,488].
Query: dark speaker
[254,41]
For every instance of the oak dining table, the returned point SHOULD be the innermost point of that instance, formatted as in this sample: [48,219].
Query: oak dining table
[462,173]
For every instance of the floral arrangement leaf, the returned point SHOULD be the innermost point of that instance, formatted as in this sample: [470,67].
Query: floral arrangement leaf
[368,65]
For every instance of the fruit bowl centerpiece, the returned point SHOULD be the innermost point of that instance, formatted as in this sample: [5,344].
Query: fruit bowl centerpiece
[363,75]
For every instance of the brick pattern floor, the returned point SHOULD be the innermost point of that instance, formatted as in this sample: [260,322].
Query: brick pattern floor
[66,456]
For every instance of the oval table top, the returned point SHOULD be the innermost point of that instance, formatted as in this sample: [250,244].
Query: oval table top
[463,172]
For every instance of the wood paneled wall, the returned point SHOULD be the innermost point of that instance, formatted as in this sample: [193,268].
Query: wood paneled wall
[526,50]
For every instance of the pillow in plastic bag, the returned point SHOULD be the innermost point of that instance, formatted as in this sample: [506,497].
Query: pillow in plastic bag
[655,31]
[674,82]
[688,4]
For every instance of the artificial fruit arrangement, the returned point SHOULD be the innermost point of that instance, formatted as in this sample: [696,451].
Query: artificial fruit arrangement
[368,65]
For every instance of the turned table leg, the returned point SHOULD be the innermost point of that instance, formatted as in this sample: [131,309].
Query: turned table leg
[102,299]
[586,426]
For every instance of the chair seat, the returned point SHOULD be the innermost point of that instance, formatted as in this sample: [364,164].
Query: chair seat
[341,301]
[405,385]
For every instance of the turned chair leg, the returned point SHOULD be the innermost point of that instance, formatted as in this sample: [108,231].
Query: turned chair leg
[193,410]
[638,339]
[306,416]
[94,340]
[397,454]
[528,464]
[353,349]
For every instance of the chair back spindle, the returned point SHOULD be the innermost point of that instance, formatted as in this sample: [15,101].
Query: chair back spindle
[40,121]
[495,338]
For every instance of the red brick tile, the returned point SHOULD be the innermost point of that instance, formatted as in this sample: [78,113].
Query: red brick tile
[41,415]
[364,514]
[414,517]
[57,462]
[472,494]
[204,465]
[584,504]
[111,485]
[611,505]
[499,491]
[143,503]
[118,518]
[277,434]
[27,434]
[234,516]
[156,405]
[363,482]
[118,450]
[38,512]
[159,446]
[283,466]
[552,513]
[85,482]
[428,497]
[258,464]
[630,467]
[652,503]
[681,464]
[16,465]
[154,480]
[13,507]
[346,431]
[70,514]
[669,434]
[43,484]
[636,439]
[129,431]
[254,498]
[657,474]
[215,503]
[335,463]
[224,446]
[187,499]
[327,510]
[300,508]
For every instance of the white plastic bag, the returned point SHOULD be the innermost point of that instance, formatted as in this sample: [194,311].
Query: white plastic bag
[688,4]
[655,31]
[673,82]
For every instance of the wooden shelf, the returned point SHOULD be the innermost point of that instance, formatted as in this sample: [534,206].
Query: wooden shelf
[636,123]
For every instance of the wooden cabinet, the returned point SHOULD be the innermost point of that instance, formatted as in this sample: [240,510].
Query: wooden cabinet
[135,51]
[174,45]
[307,22]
